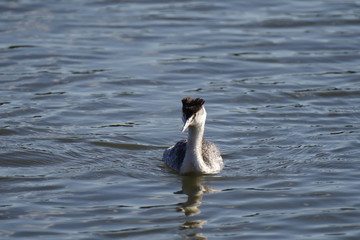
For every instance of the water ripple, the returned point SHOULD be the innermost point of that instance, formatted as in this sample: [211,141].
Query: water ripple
[90,98]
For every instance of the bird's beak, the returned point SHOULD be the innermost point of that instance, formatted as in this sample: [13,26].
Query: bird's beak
[187,123]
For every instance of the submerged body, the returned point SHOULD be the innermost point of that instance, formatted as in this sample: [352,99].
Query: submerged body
[194,155]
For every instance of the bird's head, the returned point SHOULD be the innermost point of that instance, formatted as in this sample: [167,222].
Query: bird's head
[194,114]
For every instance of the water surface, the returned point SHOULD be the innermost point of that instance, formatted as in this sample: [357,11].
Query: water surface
[90,98]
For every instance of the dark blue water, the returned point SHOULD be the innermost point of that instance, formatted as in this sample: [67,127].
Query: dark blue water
[90,98]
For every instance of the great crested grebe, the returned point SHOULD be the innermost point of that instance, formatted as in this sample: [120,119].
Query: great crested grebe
[194,155]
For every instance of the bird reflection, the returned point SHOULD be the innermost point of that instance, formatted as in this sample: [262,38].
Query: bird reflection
[193,187]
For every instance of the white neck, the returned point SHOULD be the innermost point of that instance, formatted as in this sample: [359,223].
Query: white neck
[193,161]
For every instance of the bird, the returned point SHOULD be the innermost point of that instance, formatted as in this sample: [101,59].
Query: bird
[194,154]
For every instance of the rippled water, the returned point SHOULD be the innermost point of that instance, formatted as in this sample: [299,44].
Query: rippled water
[90,98]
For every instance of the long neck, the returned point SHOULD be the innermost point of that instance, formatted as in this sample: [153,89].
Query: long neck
[193,161]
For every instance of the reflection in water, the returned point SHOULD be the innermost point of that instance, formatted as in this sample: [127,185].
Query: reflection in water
[193,187]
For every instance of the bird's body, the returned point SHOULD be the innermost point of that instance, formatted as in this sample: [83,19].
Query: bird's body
[194,155]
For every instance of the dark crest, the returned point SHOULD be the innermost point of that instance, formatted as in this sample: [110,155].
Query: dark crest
[191,106]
